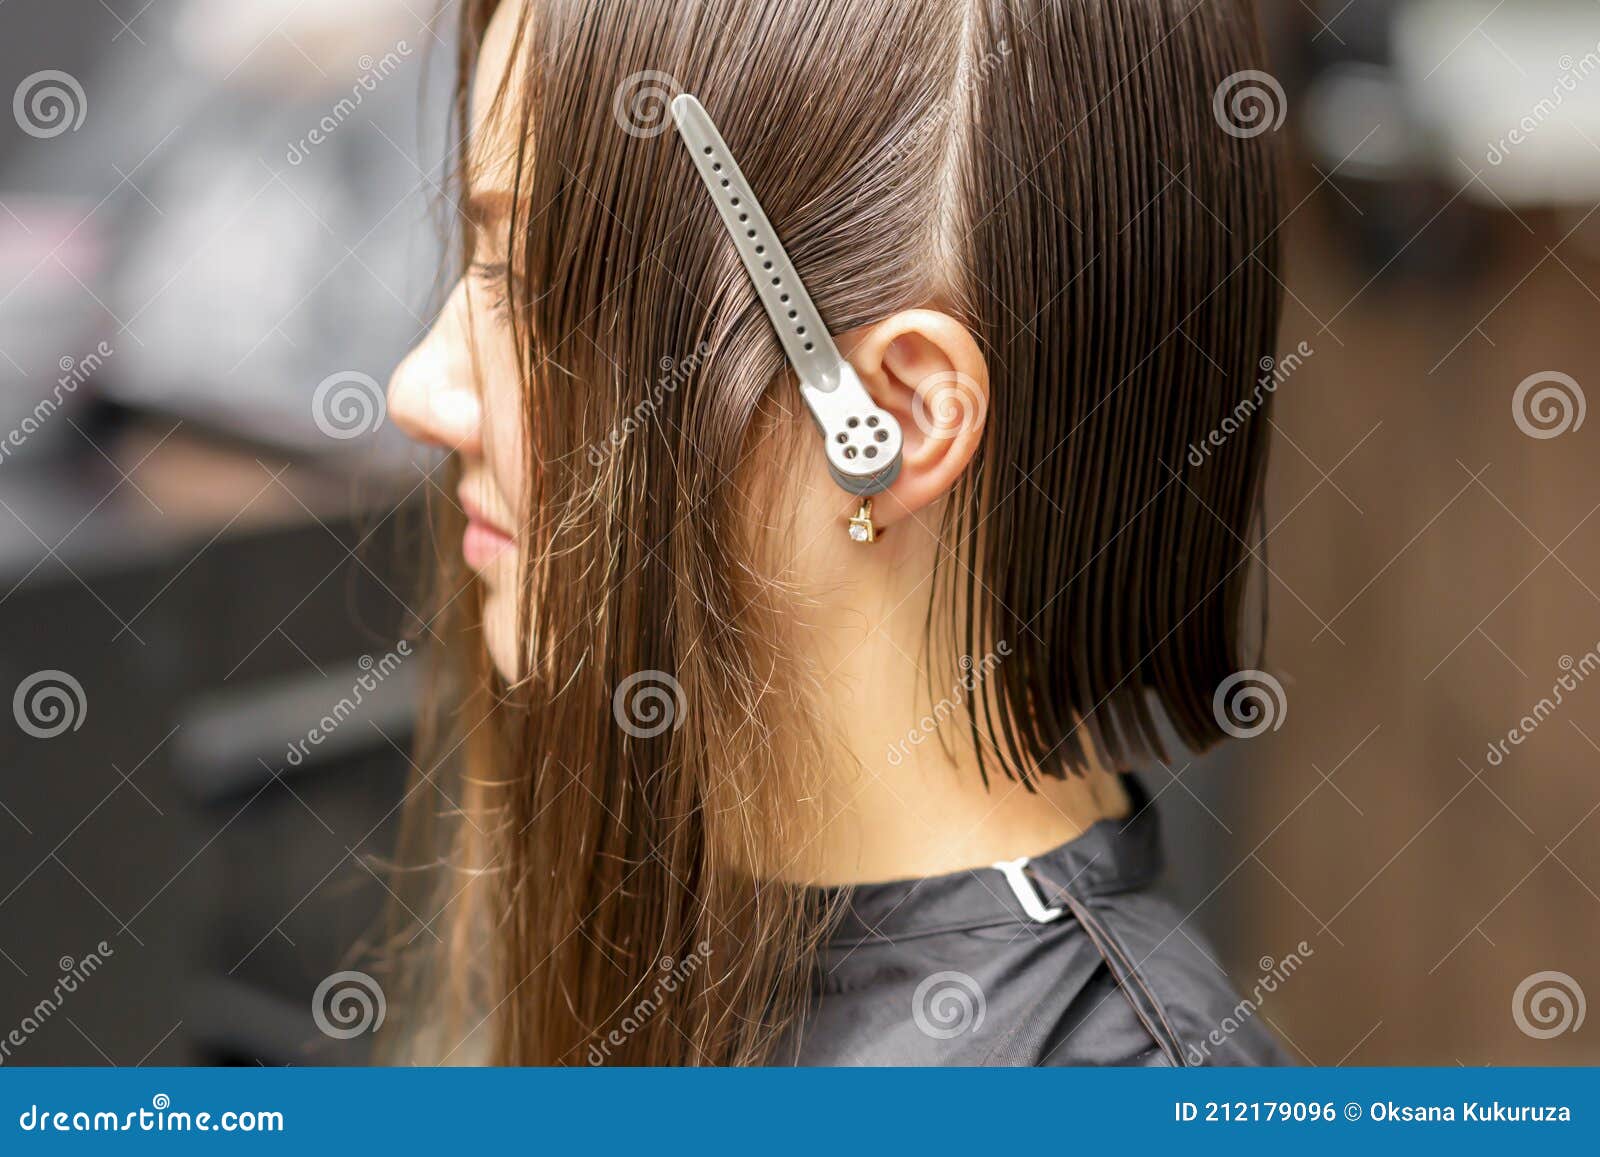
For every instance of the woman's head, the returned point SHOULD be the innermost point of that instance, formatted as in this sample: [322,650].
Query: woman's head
[1041,252]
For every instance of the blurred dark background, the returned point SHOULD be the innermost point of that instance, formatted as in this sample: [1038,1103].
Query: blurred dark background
[210,529]
[216,249]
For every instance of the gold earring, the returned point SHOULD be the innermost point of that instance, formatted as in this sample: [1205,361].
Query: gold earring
[861,528]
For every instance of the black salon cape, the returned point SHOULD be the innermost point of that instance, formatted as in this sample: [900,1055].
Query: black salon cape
[950,970]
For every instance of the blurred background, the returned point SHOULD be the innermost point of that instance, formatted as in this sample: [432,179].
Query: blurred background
[217,239]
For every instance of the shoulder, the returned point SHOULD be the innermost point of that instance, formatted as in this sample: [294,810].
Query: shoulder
[1175,985]
[1122,980]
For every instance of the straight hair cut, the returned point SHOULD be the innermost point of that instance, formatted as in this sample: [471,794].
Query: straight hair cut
[1056,174]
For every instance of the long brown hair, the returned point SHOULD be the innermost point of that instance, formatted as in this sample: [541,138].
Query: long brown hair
[1054,172]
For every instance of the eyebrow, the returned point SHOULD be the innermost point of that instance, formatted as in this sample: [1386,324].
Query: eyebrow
[487,209]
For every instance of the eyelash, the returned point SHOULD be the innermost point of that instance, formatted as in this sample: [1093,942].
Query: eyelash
[492,276]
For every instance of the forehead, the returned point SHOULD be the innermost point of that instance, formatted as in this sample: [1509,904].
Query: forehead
[493,151]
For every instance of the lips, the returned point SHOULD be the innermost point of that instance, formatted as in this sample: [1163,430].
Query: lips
[484,540]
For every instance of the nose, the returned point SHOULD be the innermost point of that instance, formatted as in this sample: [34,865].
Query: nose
[433,395]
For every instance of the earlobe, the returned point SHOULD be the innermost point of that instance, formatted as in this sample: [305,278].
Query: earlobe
[926,369]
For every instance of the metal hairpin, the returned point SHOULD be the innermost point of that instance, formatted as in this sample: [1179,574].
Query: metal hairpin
[862,441]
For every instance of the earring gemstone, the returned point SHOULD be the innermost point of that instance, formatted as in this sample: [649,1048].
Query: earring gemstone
[861,527]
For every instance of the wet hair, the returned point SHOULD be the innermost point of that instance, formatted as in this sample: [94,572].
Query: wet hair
[1054,173]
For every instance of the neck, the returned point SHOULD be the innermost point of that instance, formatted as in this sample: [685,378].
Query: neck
[906,799]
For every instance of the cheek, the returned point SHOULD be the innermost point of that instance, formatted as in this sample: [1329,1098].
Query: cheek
[505,449]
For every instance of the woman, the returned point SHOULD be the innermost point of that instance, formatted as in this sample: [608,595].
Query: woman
[735,786]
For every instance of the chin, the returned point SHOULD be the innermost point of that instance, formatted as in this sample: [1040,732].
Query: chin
[500,632]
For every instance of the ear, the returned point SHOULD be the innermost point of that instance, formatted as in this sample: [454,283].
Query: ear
[925,368]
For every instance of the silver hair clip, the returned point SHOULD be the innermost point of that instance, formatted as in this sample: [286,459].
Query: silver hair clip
[862,441]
